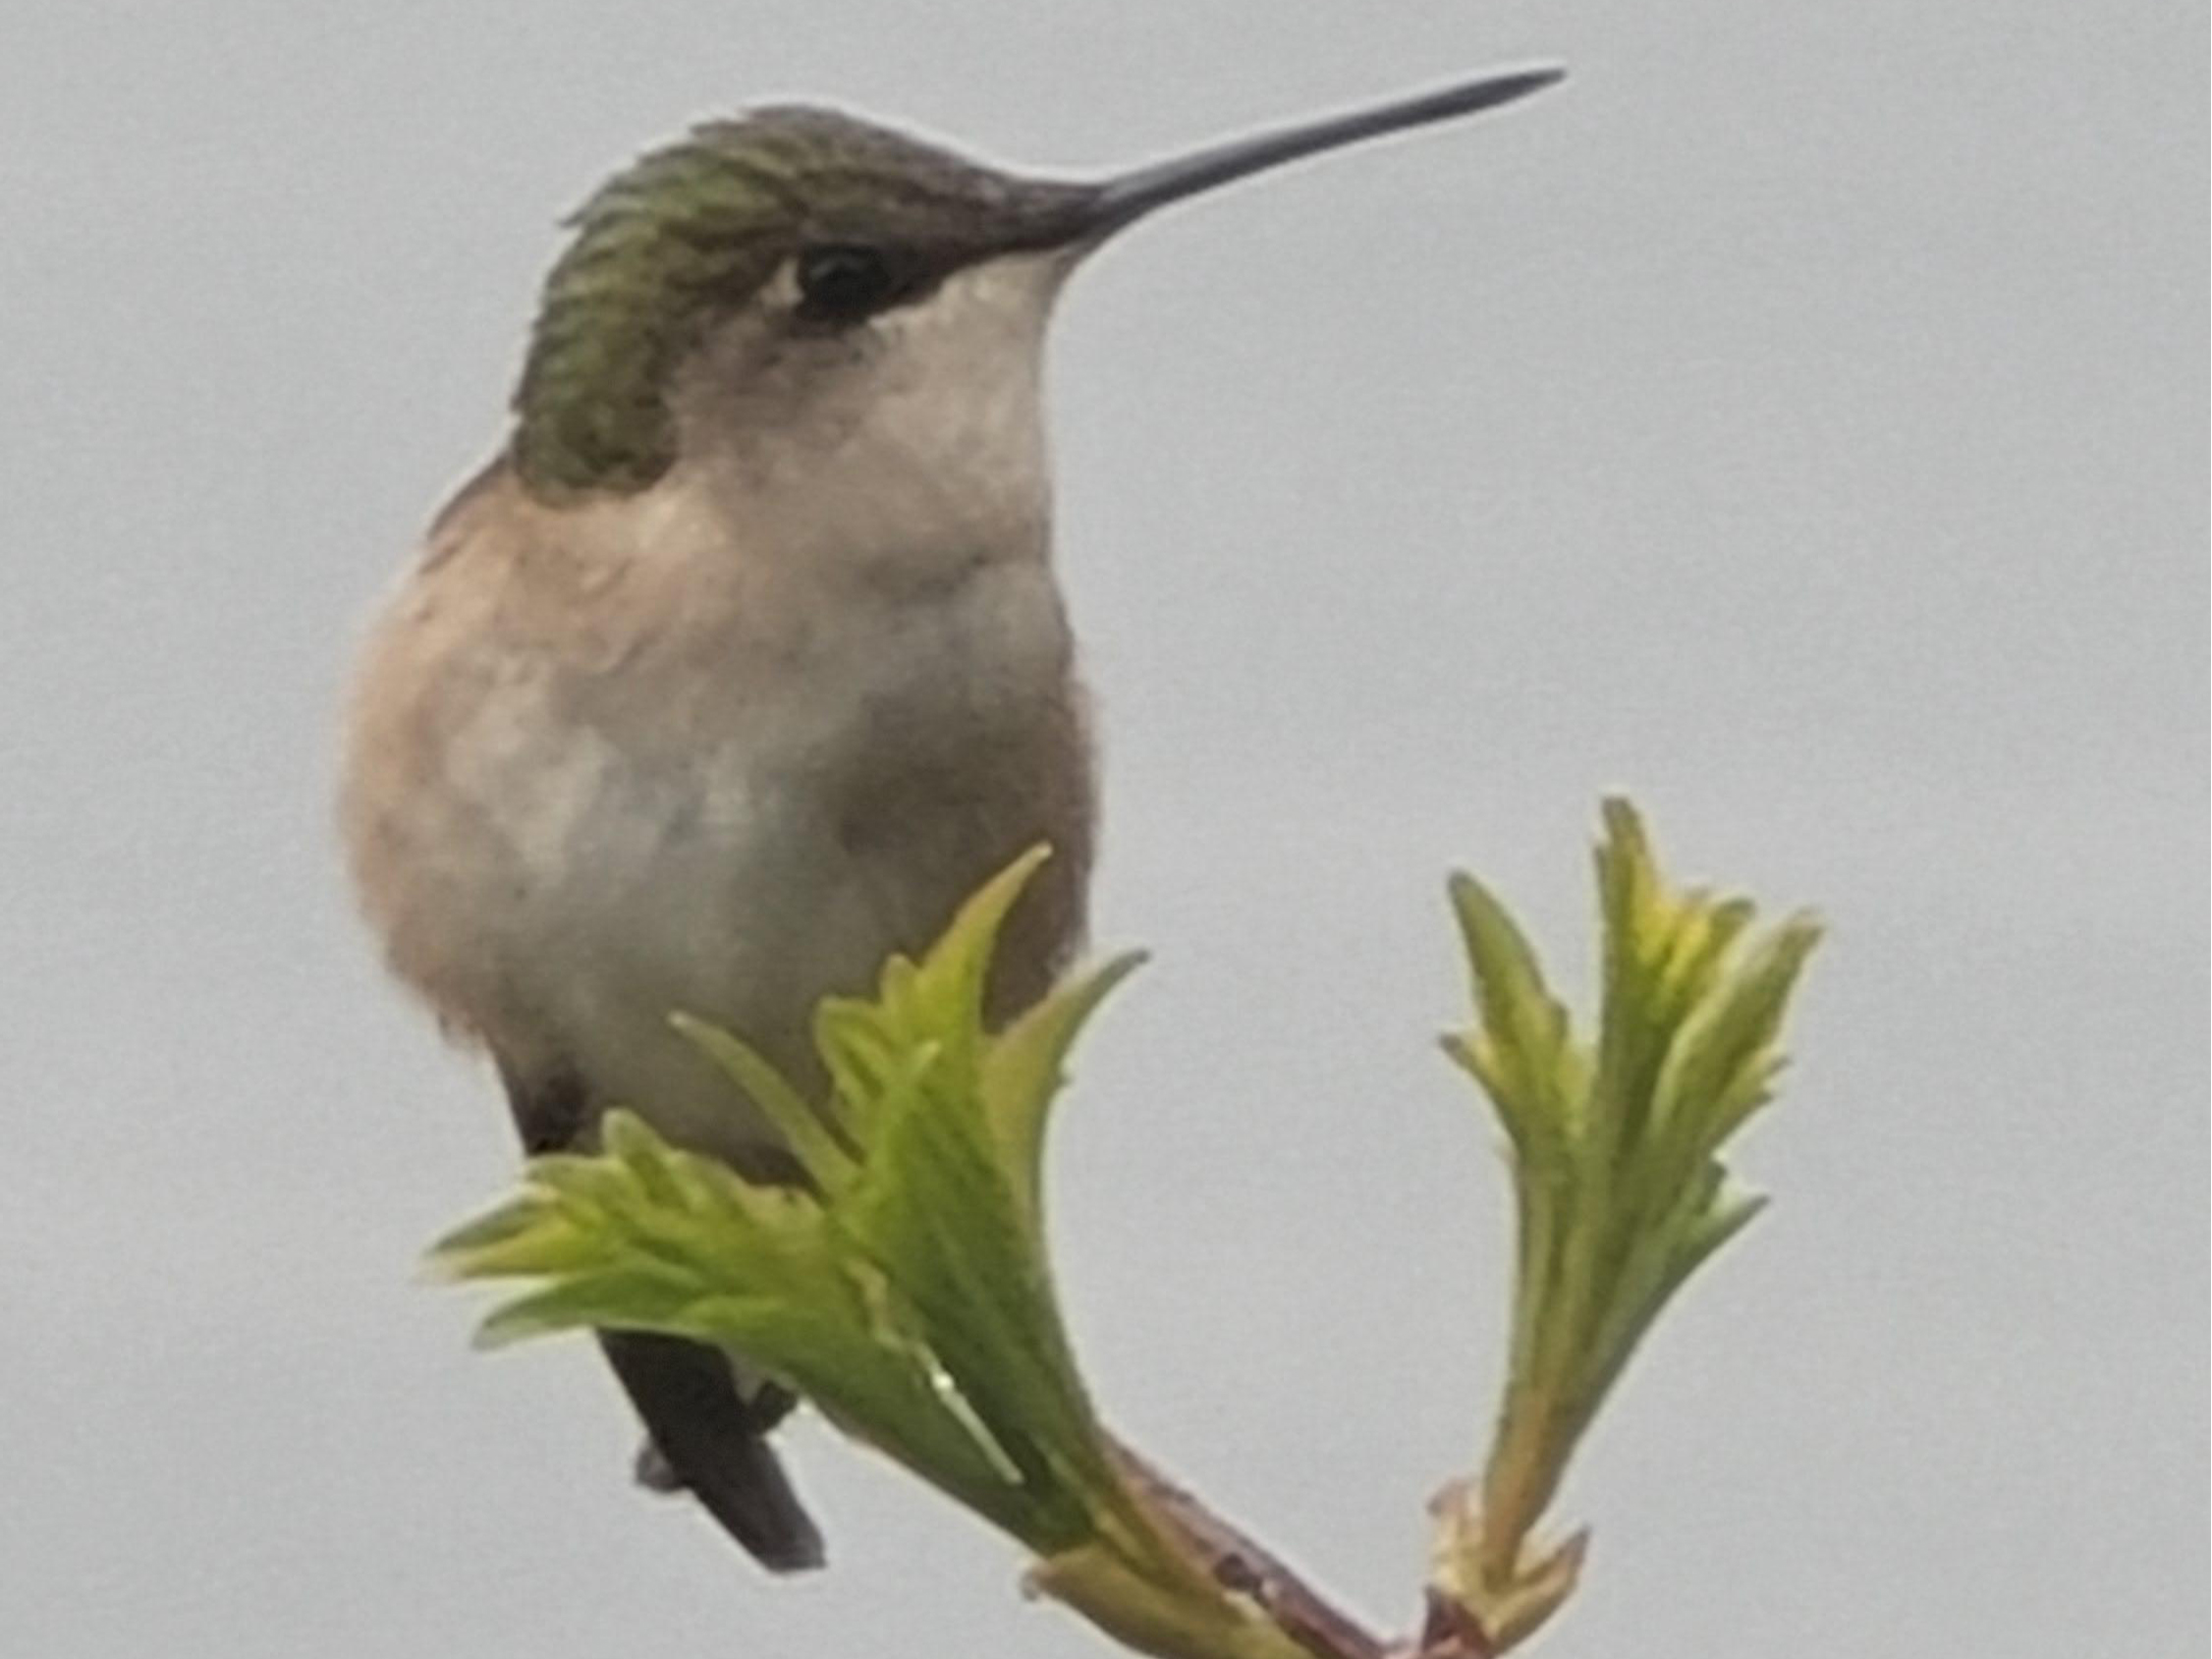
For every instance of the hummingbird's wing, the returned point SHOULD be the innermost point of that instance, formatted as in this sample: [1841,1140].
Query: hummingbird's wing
[710,1438]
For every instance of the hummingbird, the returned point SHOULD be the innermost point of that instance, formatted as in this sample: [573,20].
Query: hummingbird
[742,662]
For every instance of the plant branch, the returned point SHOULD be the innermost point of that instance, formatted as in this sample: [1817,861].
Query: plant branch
[906,1289]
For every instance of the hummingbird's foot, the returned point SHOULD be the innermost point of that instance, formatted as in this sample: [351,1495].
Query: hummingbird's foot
[652,1470]
[769,1404]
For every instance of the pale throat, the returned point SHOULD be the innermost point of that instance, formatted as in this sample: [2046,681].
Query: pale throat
[918,440]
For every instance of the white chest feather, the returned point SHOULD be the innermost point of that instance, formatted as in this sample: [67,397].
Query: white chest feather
[727,822]
[722,746]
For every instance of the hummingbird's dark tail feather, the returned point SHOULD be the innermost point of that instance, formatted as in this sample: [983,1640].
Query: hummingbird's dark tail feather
[715,1445]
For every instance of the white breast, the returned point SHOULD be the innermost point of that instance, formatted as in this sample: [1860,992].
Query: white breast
[736,883]
[721,747]
[728,815]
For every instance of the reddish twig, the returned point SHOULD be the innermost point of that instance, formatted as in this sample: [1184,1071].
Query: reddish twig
[1297,1610]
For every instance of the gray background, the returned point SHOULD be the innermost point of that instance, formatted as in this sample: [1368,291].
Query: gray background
[1797,420]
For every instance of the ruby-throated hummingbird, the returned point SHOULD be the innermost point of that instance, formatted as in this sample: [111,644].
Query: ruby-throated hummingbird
[743,663]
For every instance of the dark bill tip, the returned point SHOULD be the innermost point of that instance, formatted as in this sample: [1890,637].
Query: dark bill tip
[1133,195]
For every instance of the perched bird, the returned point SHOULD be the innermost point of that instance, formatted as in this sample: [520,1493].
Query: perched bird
[742,662]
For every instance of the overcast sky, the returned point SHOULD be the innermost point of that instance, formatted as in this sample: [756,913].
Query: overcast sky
[1798,420]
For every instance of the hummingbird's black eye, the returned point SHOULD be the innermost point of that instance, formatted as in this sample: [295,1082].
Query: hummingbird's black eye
[843,282]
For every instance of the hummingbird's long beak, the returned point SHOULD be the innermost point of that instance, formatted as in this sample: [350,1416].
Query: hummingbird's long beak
[1133,195]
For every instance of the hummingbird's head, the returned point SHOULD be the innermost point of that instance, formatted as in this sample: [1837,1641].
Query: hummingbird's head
[799,270]
[778,247]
